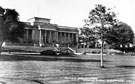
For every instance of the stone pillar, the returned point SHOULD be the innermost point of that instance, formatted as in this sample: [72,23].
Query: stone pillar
[40,38]
[60,38]
[68,37]
[64,38]
[50,37]
[27,35]
[77,37]
[72,37]
[45,36]
[77,40]
[53,36]
[33,34]
[56,36]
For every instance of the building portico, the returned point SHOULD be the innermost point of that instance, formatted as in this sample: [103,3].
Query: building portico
[41,31]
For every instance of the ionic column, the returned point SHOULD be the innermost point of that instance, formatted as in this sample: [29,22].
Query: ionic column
[40,38]
[45,36]
[68,37]
[27,35]
[33,34]
[72,37]
[64,38]
[60,37]
[77,40]
[77,37]
[50,38]
[53,36]
[56,36]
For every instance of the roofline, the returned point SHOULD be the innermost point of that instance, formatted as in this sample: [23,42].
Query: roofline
[39,18]
[59,26]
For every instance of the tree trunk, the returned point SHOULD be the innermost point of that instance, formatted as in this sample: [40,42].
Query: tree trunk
[102,48]
[102,45]
[1,46]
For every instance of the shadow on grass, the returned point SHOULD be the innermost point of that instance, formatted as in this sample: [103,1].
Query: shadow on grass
[127,66]
[46,58]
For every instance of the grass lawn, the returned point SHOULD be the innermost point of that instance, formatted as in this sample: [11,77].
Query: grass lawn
[57,68]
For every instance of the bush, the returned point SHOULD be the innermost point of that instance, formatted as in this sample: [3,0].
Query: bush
[131,49]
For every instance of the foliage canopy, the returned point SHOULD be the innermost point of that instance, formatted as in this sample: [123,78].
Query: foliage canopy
[10,26]
[103,25]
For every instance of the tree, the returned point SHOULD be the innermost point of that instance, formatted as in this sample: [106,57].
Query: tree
[10,26]
[120,34]
[88,36]
[101,19]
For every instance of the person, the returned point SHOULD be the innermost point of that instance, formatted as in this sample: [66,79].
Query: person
[57,46]
[3,44]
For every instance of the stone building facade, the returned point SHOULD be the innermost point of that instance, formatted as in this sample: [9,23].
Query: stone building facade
[40,31]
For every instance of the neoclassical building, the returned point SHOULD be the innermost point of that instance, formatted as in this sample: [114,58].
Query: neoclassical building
[40,31]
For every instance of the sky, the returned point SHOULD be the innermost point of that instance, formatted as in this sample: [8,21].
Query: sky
[70,12]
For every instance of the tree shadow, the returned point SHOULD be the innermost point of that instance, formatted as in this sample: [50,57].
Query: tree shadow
[46,58]
[126,66]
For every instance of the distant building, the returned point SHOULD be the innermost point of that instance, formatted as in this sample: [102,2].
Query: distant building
[40,31]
